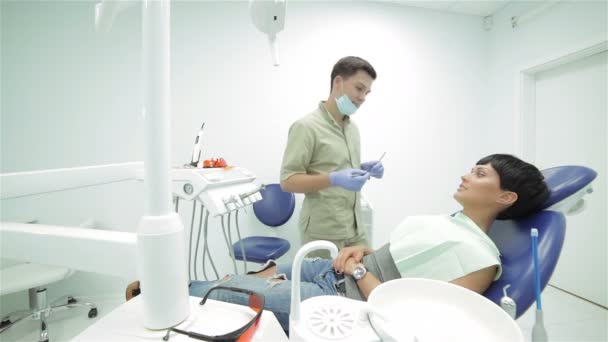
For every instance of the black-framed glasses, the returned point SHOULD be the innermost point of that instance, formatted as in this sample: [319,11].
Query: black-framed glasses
[244,333]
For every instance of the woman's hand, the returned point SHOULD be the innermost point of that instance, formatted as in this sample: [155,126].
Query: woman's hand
[355,253]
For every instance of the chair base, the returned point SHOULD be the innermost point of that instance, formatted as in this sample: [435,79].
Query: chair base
[40,310]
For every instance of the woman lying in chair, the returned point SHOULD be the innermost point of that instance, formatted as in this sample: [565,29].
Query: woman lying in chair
[453,248]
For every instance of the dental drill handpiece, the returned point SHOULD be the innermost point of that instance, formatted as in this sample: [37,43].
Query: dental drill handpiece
[196,150]
[507,303]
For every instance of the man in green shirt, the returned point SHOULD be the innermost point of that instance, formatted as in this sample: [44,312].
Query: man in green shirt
[322,159]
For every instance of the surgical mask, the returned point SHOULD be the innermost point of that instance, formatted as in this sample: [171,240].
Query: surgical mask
[345,105]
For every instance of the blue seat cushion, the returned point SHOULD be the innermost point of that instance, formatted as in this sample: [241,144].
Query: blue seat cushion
[261,248]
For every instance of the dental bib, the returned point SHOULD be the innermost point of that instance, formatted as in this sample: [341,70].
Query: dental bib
[442,247]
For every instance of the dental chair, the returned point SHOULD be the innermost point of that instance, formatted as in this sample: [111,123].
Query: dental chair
[567,184]
[274,210]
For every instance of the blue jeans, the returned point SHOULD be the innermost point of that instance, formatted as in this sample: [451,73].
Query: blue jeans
[318,278]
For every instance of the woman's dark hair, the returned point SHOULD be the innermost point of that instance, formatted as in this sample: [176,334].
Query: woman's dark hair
[522,178]
[348,66]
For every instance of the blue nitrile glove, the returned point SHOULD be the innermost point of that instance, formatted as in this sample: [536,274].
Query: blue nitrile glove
[349,179]
[374,167]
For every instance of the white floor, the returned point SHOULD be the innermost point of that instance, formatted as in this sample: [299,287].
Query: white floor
[567,318]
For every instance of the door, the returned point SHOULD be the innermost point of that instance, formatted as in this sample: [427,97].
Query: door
[571,128]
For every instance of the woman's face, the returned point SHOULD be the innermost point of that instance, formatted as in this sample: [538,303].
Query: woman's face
[479,188]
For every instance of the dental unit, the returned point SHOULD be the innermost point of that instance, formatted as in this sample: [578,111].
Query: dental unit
[160,239]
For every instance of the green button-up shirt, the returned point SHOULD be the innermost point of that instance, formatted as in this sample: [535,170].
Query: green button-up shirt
[317,144]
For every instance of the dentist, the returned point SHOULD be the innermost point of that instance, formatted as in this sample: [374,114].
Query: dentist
[322,159]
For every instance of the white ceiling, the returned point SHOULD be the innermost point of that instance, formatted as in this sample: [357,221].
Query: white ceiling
[478,8]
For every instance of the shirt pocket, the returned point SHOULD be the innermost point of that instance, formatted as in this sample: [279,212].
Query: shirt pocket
[330,218]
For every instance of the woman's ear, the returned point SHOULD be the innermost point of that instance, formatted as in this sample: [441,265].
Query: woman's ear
[507,198]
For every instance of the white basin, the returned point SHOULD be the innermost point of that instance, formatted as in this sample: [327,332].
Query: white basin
[434,310]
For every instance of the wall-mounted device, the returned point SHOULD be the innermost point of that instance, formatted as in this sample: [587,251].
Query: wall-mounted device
[268,16]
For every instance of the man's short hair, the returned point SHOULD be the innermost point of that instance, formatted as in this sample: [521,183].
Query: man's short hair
[348,66]
[522,178]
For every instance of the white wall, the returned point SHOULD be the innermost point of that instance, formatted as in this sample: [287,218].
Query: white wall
[422,109]
[69,97]
[73,96]
[562,27]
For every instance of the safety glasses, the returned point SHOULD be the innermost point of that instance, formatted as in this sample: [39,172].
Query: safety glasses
[243,334]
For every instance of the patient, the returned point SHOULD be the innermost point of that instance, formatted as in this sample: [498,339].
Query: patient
[453,248]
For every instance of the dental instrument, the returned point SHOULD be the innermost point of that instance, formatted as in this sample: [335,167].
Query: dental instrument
[196,150]
[202,229]
[176,201]
[228,240]
[198,240]
[190,241]
[539,334]
[206,250]
[507,303]
[379,160]
[241,243]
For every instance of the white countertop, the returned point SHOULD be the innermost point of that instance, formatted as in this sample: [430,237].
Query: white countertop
[214,318]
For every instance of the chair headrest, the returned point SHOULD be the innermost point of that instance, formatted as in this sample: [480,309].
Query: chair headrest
[564,181]
[276,206]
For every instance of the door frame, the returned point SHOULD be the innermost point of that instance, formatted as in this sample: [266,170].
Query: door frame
[525,91]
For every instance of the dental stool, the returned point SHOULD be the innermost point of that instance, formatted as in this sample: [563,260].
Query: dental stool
[274,210]
[567,184]
[34,278]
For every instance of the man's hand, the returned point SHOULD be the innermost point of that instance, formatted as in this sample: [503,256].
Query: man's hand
[350,266]
[349,179]
[356,253]
[374,167]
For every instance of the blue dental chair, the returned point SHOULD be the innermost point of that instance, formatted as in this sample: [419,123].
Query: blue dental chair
[512,237]
[274,210]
